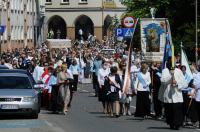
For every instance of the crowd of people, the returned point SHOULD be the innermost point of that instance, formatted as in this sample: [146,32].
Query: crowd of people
[174,95]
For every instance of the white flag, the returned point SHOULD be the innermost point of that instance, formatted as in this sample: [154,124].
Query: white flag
[184,61]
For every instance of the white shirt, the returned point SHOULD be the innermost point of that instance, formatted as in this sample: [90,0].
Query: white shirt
[102,74]
[134,69]
[197,86]
[147,79]
[8,65]
[37,73]
[169,93]
[70,75]
[74,70]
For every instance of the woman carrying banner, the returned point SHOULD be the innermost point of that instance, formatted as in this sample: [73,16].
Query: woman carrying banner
[113,85]
[103,72]
[142,83]
[172,83]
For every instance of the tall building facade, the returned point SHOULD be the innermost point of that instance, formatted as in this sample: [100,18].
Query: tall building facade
[65,18]
[21,19]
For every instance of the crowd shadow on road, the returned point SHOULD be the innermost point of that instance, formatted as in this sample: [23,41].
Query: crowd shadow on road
[96,112]
[135,119]
[92,96]
[105,116]
[100,114]
[15,117]
[159,128]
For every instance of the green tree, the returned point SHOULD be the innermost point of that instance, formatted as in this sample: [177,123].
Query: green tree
[180,13]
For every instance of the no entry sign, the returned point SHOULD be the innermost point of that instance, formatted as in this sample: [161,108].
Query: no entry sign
[128,21]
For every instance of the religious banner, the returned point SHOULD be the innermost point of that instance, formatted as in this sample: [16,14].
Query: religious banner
[59,43]
[153,38]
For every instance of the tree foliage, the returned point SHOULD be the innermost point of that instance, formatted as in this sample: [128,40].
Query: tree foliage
[180,13]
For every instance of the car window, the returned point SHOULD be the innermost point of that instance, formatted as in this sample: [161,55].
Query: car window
[21,72]
[14,82]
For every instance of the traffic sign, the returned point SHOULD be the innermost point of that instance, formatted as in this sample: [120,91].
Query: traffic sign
[128,22]
[128,32]
[2,29]
[124,32]
[119,32]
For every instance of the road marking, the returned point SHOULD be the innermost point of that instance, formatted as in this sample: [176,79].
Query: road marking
[133,107]
[22,123]
[85,91]
[48,123]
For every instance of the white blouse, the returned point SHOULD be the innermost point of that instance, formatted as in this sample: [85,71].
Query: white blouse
[102,74]
[147,79]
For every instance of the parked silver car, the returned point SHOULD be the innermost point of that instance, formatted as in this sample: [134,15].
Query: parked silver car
[17,95]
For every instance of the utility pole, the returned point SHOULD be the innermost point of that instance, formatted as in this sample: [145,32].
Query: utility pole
[196,49]
[102,6]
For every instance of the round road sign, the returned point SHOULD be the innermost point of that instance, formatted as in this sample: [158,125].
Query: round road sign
[128,22]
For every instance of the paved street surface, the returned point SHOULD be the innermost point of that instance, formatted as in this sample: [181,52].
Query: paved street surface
[84,116]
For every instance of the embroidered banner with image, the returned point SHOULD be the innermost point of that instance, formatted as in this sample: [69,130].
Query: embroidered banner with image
[153,34]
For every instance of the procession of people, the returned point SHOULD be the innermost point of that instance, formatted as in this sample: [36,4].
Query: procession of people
[166,93]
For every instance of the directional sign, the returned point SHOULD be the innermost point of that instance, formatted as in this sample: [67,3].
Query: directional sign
[2,29]
[128,32]
[124,32]
[119,32]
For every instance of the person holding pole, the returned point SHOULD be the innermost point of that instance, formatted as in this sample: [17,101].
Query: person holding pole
[197,93]
[172,82]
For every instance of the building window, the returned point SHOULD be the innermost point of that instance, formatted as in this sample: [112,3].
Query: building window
[22,33]
[83,1]
[64,1]
[48,1]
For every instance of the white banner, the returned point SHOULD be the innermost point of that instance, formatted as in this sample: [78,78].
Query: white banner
[59,43]
[153,38]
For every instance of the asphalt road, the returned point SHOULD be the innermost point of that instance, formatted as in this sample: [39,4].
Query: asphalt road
[85,115]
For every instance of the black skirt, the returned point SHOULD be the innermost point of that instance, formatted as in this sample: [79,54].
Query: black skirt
[113,96]
[102,94]
[142,104]
[174,113]
[198,109]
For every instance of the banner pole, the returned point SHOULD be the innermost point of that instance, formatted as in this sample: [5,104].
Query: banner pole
[128,66]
